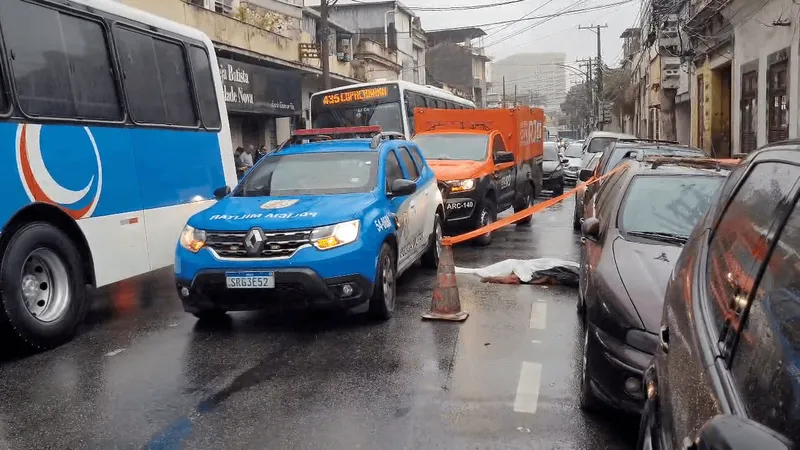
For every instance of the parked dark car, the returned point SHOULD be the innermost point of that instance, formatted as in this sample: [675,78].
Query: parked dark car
[552,169]
[625,149]
[644,214]
[729,338]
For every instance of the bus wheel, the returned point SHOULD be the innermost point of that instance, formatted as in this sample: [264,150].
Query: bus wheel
[44,293]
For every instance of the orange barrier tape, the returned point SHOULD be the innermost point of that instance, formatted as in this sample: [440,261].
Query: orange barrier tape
[500,223]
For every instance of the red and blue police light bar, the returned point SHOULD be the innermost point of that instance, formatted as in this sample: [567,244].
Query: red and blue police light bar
[372,129]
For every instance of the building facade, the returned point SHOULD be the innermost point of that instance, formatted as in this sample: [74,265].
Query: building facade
[728,73]
[456,59]
[388,39]
[538,78]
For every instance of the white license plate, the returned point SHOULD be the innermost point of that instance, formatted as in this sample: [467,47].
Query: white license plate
[250,280]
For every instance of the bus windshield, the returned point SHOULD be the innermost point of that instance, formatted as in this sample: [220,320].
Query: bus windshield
[375,105]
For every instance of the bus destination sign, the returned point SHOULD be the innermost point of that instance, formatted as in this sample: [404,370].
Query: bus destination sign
[359,95]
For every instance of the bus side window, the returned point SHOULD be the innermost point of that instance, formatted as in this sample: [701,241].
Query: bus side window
[410,105]
[156,79]
[204,86]
[420,101]
[61,63]
[3,101]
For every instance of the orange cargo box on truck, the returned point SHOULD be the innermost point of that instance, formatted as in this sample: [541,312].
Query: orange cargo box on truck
[491,159]
[522,127]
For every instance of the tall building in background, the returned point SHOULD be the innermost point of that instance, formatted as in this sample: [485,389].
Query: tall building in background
[540,79]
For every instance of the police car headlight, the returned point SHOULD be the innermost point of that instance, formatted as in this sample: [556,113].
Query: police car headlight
[461,185]
[333,236]
[192,239]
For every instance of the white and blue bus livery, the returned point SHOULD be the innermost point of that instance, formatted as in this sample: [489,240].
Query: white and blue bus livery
[113,131]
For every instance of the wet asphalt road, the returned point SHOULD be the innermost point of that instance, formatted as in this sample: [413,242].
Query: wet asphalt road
[143,374]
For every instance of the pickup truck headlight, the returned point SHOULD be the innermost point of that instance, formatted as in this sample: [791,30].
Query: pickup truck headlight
[192,239]
[461,185]
[332,236]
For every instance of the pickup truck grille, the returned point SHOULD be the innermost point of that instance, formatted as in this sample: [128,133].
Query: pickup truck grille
[277,244]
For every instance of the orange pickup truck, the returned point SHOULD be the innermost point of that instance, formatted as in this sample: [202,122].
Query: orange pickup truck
[490,158]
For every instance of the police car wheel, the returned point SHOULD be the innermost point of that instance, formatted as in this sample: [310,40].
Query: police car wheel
[431,257]
[382,302]
[44,295]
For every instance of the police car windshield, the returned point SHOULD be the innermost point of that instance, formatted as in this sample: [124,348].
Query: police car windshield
[456,146]
[312,174]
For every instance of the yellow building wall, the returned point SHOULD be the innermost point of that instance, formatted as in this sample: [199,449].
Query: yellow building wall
[716,118]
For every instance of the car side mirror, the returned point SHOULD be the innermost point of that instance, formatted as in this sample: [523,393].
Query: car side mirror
[585,174]
[222,192]
[503,157]
[402,187]
[591,228]
[731,432]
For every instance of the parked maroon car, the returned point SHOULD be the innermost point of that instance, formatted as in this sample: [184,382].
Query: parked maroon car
[729,336]
[644,214]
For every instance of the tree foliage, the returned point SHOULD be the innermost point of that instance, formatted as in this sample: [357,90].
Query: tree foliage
[615,84]
[577,104]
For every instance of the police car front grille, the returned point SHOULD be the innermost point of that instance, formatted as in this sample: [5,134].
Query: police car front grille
[277,244]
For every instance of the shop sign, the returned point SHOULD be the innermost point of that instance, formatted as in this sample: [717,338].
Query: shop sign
[256,89]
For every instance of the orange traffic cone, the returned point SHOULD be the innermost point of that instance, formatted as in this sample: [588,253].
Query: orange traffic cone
[445,304]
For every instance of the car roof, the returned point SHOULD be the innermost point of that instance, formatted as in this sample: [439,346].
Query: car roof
[658,146]
[336,146]
[611,134]
[681,166]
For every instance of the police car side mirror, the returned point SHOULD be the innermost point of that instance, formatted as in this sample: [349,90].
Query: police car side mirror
[402,187]
[730,432]
[222,192]
[585,174]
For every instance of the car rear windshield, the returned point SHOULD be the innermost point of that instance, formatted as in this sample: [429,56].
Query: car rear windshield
[667,204]
[600,144]
[574,151]
[469,147]
[311,174]
[550,151]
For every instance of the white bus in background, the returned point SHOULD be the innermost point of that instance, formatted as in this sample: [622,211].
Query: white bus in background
[389,104]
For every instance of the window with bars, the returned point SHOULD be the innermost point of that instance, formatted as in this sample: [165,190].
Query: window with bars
[749,112]
[223,6]
[778,97]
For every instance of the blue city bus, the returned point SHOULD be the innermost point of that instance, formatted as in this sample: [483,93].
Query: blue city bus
[113,132]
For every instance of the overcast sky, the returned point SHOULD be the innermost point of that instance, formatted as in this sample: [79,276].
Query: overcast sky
[559,34]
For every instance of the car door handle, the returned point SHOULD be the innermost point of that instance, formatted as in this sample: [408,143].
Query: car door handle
[663,337]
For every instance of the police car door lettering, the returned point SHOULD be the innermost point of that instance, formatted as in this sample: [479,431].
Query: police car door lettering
[383,223]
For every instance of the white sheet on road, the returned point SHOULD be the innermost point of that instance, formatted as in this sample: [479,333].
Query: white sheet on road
[524,269]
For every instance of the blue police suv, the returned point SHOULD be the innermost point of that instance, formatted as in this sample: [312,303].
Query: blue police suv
[329,220]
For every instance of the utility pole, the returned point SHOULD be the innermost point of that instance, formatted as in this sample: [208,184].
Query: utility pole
[504,92]
[323,37]
[590,94]
[599,64]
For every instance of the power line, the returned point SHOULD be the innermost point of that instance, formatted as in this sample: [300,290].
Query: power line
[546,16]
[466,7]
[523,17]
[540,22]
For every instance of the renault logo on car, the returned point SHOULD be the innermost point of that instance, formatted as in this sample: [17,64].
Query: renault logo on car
[254,241]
